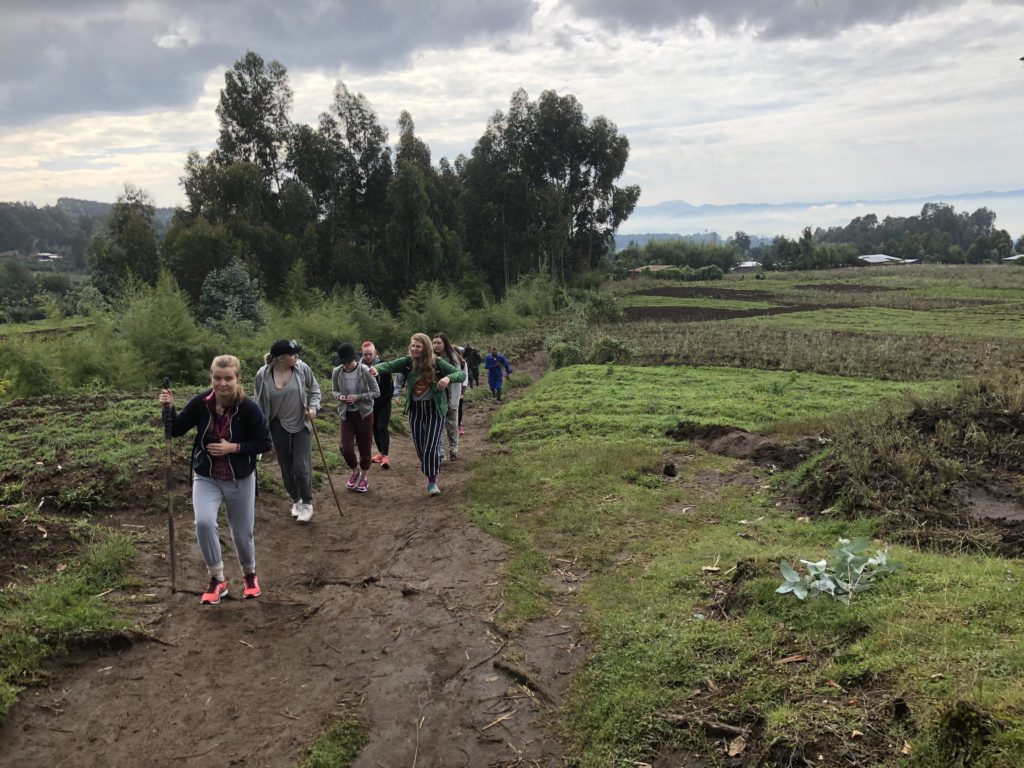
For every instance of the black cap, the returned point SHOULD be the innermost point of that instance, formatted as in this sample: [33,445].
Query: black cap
[284,347]
[346,353]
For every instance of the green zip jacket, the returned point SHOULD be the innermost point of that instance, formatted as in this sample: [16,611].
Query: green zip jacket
[403,365]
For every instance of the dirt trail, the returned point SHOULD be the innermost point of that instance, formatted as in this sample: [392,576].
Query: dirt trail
[385,613]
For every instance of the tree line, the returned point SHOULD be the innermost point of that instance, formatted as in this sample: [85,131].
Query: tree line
[939,234]
[335,204]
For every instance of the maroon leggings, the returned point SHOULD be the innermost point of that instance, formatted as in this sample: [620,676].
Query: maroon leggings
[357,429]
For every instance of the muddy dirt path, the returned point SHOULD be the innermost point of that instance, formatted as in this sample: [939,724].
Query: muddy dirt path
[385,613]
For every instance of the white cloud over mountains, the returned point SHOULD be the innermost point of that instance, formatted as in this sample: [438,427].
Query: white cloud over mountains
[723,101]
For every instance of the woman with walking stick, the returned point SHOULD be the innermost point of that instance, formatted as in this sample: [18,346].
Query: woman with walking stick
[287,392]
[231,431]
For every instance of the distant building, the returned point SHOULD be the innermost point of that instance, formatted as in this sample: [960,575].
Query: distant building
[874,259]
[747,266]
[1018,257]
[43,256]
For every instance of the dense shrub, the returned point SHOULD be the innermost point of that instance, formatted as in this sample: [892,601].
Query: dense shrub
[608,349]
[158,325]
[230,299]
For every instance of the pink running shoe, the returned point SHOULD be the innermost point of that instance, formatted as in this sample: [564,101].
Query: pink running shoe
[352,479]
[214,592]
[363,486]
[252,587]
[461,430]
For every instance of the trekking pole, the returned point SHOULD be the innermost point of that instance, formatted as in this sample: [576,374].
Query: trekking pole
[169,477]
[327,470]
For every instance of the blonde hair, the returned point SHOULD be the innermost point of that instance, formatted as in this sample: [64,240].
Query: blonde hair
[426,364]
[230,361]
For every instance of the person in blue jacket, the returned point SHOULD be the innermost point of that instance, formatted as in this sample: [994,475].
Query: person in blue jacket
[231,431]
[494,363]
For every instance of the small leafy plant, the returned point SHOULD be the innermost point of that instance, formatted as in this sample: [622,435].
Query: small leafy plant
[850,568]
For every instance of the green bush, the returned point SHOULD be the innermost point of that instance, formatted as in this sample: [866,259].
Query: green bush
[431,308]
[608,349]
[31,369]
[230,301]
[158,325]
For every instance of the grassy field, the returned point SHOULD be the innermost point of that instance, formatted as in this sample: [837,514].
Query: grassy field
[703,637]
[1004,320]
[640,300]
[693,648]
[603,401]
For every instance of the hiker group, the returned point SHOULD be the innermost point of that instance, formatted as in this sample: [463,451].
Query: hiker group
[232,430]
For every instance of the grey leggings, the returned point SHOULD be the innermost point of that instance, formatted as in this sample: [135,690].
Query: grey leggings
[295,458]
[239,496]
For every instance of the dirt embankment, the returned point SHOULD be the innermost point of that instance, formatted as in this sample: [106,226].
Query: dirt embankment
[385,612]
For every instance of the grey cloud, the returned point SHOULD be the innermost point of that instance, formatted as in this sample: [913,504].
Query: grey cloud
[73,56]
[786,19]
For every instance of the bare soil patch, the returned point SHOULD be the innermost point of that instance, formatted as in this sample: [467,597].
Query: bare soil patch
[27,546]
[706,314]
[385,612]
[845,287]
[739,443]
[706,292]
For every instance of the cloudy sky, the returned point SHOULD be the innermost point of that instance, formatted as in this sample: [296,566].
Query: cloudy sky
[723,101]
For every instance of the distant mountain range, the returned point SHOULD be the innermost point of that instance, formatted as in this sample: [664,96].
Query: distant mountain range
[770,219]
[78,207]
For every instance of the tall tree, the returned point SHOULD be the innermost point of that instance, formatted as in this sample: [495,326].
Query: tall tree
[254,115]
[127,248]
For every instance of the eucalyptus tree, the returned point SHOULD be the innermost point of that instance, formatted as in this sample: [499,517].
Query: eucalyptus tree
[254,115]
[127,248]
[544,178]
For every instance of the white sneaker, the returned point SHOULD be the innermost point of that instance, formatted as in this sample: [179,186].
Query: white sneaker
[295,509]
[305,513]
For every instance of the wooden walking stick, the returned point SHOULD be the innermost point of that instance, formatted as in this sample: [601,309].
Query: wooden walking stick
[169,480]
[327,470]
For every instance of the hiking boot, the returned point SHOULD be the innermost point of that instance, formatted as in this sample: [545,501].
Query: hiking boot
[305,513]
[352,479]
[214,592]
[385,463]
[451,456]
[432,489]
[363,486]
[252,587]
[295,509]
[461,431]
[378,459]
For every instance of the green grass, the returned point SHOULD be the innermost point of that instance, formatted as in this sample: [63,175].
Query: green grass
[669,638]
[39,618]
[338,746]
[107,451]
[995,320]
[626,401]
[62,325]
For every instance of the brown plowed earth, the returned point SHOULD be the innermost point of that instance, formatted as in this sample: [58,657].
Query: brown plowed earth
[386,613]
[703,314]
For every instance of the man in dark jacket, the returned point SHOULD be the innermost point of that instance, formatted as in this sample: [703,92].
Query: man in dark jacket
[472,358]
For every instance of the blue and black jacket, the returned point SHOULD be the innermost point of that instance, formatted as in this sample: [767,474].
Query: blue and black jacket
[248,428]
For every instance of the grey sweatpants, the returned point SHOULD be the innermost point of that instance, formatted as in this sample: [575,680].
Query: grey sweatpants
[239,497]
[451,429]
[295,458]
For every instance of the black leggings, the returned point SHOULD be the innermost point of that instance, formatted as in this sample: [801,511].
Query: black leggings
[382,423]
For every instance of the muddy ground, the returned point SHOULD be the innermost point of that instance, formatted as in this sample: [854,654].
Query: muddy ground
[386,613]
